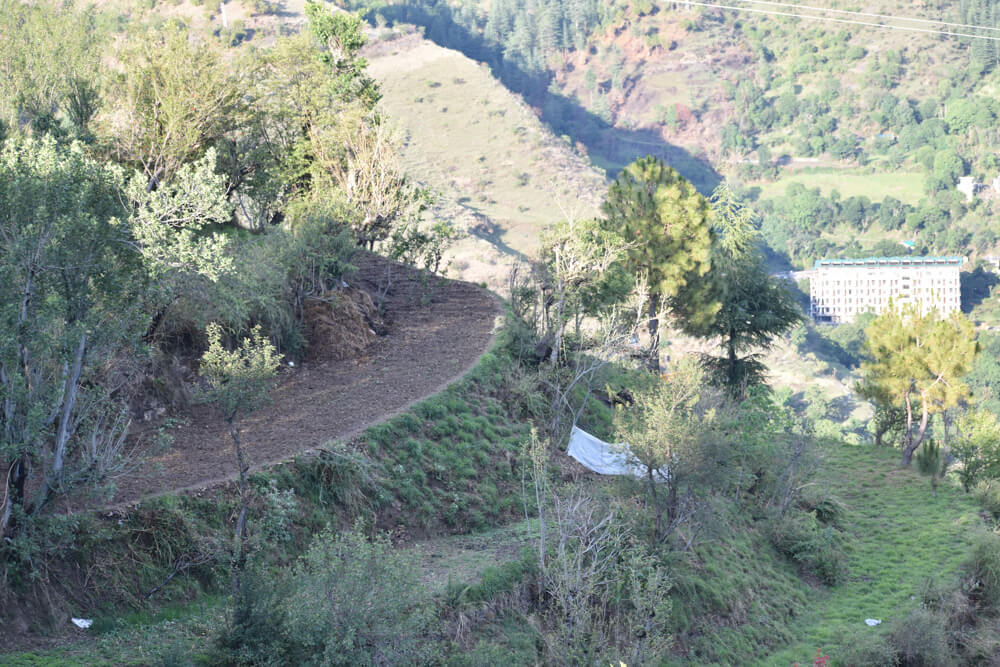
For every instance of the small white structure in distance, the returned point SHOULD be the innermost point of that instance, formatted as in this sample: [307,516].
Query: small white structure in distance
[967,186]
[602,457]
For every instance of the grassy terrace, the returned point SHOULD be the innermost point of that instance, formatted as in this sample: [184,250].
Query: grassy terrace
[907,187]
[901,536]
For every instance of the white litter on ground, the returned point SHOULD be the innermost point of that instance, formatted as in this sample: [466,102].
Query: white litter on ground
[602,457]
[83,622]
[873,621]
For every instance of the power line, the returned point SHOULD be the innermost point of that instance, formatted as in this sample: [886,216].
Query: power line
[869,14]
[836,20]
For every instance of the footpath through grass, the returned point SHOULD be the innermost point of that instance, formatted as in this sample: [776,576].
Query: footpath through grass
[900,537]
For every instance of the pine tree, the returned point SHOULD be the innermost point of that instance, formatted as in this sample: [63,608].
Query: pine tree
[668,225]
[753,308]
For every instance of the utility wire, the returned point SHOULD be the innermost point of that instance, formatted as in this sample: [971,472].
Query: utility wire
[879,16]
[835,20]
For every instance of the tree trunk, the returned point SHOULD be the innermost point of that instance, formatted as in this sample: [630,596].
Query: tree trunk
[241,522]
[737,385]
[908,438]
[17,478]
[654,333]
[560,325]
[913,443]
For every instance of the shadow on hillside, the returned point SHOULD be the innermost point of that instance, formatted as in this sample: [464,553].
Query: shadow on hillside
[976,286]
[610,148]
[488,230]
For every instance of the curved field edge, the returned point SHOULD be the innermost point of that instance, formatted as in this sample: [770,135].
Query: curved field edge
[445,465]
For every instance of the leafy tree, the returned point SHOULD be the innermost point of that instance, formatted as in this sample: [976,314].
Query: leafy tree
[361,164]
[668,227]
[170,227]
[341,38]
[977,447]
[663,429]
[948,166]
[70,286]
[238,383]
[172,100]
[48,64]
[755,308]
[917,363]
[581,258]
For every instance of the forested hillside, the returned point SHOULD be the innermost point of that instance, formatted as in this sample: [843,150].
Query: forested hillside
[764,100]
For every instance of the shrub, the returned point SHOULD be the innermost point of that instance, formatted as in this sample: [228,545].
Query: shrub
[982,570]
[817,548]
[920,640]
[829,510]
[348,601]
[988,495]
[355,602]
[252,636]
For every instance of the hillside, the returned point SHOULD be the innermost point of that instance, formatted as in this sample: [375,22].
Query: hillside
[505,180]
[246,420]
[883,122]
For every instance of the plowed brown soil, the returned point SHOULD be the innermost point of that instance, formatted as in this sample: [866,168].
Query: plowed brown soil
[426,347]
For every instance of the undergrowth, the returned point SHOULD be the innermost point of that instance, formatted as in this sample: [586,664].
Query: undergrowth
[449,465]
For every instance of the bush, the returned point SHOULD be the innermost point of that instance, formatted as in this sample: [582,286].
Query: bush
[253,637]
[829,510]
[982,570]
[920,640]
[348,601]
[355,602]
[817,548]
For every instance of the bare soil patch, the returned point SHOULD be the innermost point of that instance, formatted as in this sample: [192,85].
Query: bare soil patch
[435,330]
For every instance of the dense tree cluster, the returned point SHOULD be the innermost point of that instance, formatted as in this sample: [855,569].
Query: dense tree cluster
[186,194]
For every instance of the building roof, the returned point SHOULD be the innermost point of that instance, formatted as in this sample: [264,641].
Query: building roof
[891,261]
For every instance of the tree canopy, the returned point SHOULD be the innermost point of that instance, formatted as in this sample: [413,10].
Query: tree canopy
[667,224]
[918,361]
[754,308]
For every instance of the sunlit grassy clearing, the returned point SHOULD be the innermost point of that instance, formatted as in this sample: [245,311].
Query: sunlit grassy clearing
[908,187]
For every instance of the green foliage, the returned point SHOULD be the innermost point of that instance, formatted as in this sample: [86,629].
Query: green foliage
[173,99]
[982,572]
[665,221]
[867,649]
[977,447]
[71,289]
[346,601]
[817,548]
[341,38]
[355,602]
[239,380]
[422,246]
[754,307]
[50,65]
[918,358]
[921,639]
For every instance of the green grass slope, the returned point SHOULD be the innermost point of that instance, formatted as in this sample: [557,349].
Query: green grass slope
[900,538]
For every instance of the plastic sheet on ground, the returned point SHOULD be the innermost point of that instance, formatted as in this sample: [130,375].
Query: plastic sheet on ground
[602,457]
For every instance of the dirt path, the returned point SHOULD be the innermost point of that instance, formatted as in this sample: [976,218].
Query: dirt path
[426,348]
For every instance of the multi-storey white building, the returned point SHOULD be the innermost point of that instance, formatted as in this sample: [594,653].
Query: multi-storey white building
[841,289]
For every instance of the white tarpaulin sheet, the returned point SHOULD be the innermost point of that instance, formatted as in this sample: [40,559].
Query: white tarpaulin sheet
[600,456]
